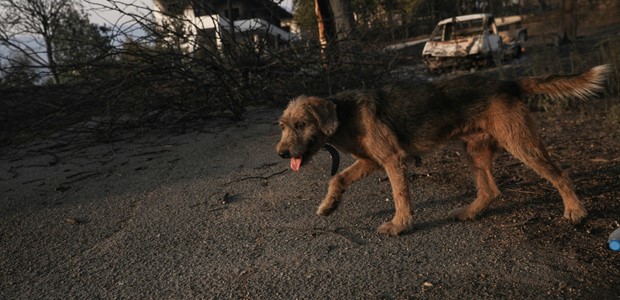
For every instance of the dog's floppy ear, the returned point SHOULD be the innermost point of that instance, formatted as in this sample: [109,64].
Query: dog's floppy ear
[324,112]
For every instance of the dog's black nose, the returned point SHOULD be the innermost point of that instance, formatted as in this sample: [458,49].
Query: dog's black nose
[285,154]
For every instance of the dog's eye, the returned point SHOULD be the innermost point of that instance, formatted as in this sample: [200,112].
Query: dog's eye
[281,126]
[300,125]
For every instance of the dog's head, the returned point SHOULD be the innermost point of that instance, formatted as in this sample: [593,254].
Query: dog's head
[306,125]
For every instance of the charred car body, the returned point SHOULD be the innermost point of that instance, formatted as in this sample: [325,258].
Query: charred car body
[472,41]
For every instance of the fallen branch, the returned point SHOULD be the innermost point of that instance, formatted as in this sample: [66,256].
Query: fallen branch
[32,181]
[256,177]
[217,209]
[78,174]
[149,153]
[524,192]
[82,178]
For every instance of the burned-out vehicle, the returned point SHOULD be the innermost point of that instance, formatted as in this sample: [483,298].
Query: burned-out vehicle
[472,41]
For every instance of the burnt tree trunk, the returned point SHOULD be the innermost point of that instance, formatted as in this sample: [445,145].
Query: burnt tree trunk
[336,25]
[343,19]
[325,21]
[335,20]
[568,31]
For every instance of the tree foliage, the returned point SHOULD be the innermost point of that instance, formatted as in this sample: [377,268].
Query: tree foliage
[304,16]
[50,33]
[79,45]
[17,70]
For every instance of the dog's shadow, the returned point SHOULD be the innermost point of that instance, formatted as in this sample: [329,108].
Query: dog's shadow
[451,203]
[431,224]
[386,214]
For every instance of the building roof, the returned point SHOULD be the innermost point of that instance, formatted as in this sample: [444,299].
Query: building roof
[276,9]
[207,6]
[176,7]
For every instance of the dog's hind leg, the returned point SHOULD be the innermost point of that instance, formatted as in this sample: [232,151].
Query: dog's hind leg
[480,151]
[517,134]
[357,171]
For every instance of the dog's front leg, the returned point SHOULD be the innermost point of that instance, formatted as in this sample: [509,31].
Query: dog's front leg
[397,173]
[357,171]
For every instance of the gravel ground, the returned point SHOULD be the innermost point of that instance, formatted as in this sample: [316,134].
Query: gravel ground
[212,212]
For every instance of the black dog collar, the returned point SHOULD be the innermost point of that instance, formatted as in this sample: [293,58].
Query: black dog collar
[335,158]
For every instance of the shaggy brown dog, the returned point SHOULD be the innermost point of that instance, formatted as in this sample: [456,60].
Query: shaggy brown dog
[383,128]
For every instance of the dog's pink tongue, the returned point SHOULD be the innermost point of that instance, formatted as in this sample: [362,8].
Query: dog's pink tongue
[295,163]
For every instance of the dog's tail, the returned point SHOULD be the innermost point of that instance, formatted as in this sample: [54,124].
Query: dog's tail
[581,85]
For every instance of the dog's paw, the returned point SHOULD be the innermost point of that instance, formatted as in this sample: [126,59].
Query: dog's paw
[326,209]
[392,229]
[575,215]
[461,214]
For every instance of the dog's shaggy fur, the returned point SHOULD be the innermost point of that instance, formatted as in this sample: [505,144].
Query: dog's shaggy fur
[383,128]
